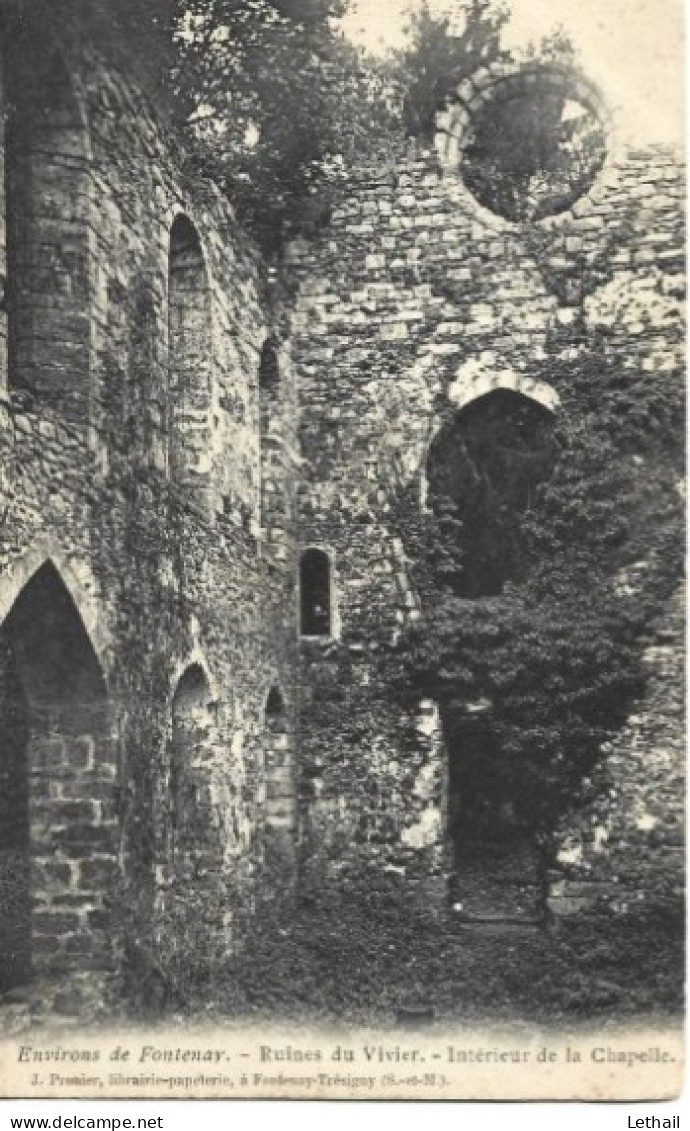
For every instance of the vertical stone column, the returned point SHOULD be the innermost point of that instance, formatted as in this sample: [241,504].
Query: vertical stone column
[49,259]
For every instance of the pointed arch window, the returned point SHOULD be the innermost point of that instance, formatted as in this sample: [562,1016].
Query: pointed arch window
[190,346]
[274,712]
[192,721]
[280,797]
[269,371]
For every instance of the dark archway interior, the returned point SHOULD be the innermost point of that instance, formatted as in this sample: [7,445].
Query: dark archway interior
[192,695]
[53,710]
[191,725]
[54,656]
[269,369]
[494,858]
[315,593]
[275,710]
[483,472]
[190,345]
[269,384]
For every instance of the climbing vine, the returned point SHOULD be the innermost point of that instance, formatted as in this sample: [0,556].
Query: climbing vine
[552,656]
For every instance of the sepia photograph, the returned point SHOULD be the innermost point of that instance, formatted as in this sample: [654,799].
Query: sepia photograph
[342,533]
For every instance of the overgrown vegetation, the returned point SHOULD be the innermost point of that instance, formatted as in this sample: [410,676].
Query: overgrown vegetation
[281,108]
[350,956]
[276,104]
[442,50]
[573,574]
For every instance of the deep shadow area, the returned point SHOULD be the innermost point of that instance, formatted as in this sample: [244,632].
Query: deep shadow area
[55,660]
[483,470]
[497,874]
[58,787]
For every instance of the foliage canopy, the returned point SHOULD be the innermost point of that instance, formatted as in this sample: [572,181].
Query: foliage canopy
[281,107]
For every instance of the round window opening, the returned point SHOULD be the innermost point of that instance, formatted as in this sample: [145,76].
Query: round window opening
[532,148]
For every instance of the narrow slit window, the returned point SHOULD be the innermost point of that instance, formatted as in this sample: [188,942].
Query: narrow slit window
[315,593]
[269,370]
[275,711]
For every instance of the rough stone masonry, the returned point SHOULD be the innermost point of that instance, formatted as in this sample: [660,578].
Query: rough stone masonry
[194,520]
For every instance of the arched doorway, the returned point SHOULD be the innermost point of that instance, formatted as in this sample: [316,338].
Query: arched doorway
[484,471]
[58,821]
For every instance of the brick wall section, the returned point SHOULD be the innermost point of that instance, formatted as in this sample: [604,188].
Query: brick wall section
[414,301]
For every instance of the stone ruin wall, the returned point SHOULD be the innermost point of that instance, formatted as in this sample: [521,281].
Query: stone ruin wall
[413,303]
[201,751]
[173,566]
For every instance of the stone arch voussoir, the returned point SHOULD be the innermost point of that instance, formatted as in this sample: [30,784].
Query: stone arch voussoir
[79,581]
[470,387]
